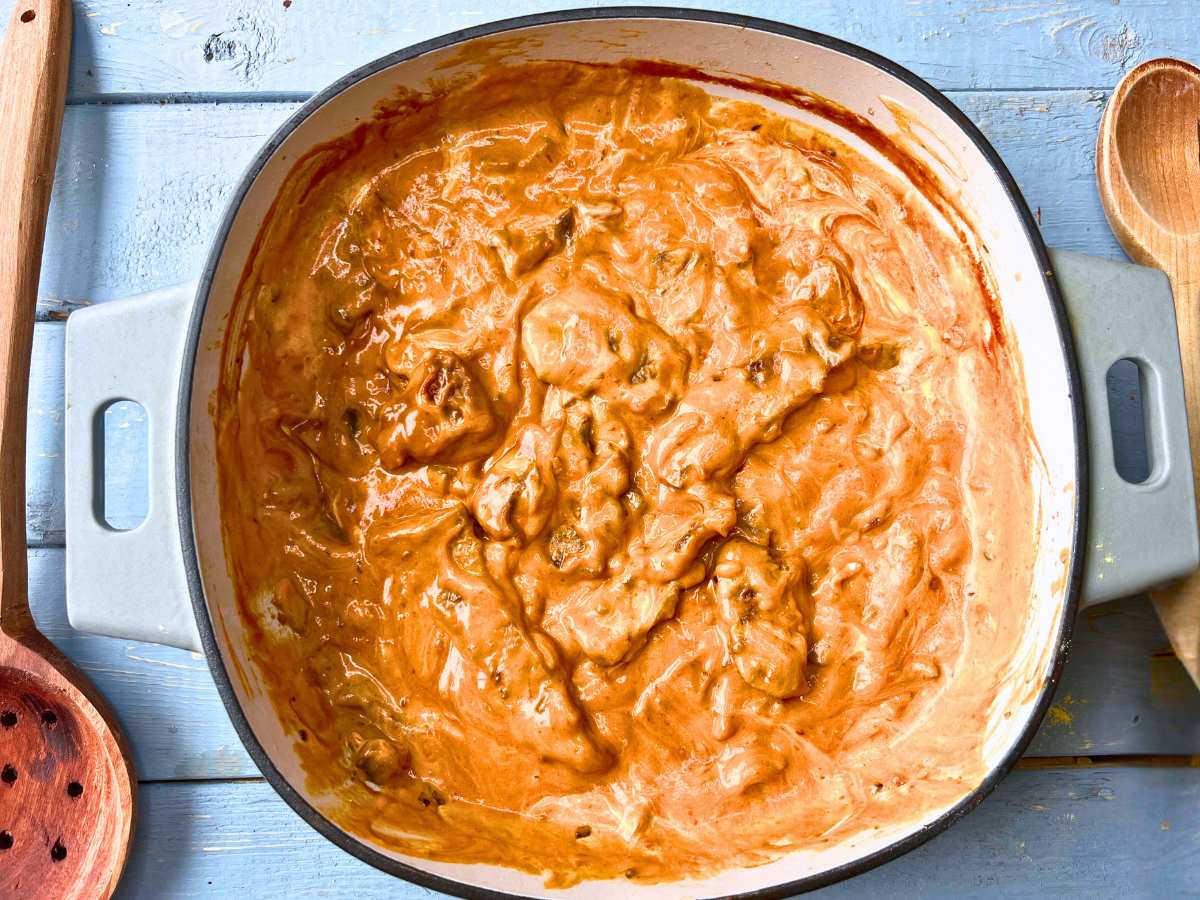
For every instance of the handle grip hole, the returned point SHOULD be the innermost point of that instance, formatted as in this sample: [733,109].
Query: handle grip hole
[1126,385]
[122,492]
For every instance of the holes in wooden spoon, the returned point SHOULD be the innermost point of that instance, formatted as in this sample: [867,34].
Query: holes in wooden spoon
[8,774]
[8,718]
[28,16]
[49,718]
[58,852]
[6,840]
[74,790]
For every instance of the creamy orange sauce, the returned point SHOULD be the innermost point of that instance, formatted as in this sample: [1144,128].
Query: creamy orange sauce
[620,480]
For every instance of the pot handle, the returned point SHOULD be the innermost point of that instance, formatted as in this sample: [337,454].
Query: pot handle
[1139,535]
[128,584]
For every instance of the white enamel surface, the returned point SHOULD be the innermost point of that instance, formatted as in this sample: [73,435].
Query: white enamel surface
[719,49]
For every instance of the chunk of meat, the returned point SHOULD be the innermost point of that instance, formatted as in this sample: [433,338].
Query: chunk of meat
[441,413]
[610,618]
[527,240]
[719,422]
[759,600]
[518,694]
[898,569]
[516,496]
[586,341]
[594,456]
[748,760]
[676,529]
[830,291]
[380,759]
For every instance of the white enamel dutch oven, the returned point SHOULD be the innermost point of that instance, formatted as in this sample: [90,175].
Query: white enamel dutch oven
[1069,318]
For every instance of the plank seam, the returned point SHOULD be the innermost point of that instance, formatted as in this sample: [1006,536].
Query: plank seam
[194,98]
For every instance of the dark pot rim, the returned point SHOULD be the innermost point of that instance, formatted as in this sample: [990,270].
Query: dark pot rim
[361,850]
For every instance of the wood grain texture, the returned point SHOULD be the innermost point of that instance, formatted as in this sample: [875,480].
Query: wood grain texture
[33,83]
[1148,171]
[66,782]
[130,48]
[1132,832]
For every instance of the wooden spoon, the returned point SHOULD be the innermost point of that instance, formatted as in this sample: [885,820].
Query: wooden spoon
[1148,166]
[66,784]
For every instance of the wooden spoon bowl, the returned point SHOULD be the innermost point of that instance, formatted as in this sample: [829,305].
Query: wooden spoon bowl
[1149,160]
[66,784]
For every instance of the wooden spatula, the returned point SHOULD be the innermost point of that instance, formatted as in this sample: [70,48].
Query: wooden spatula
[1148,167]
[66,784]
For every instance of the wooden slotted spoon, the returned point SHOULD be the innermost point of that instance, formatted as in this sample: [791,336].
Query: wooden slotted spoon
[66,783]
[1148,168]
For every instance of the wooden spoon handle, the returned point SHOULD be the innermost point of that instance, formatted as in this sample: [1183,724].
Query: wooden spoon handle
[33,84]
[1178,605]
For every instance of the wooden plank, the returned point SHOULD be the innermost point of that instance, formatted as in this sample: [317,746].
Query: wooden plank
[1122,693]
[1048,141]
[1058,832]
[138,192]
[44,510]
[140,47]
[1122,689]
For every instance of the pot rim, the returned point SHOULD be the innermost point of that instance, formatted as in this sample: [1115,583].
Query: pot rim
[353,845]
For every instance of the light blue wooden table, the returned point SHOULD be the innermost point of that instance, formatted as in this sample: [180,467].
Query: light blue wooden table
[168,100]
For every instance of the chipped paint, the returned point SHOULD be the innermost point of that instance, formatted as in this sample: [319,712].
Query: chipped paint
[1169,680]
[176,25]
[1116,47]
[1081,23]
[254,848]
[249,44]
[129,654]
[110,30]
